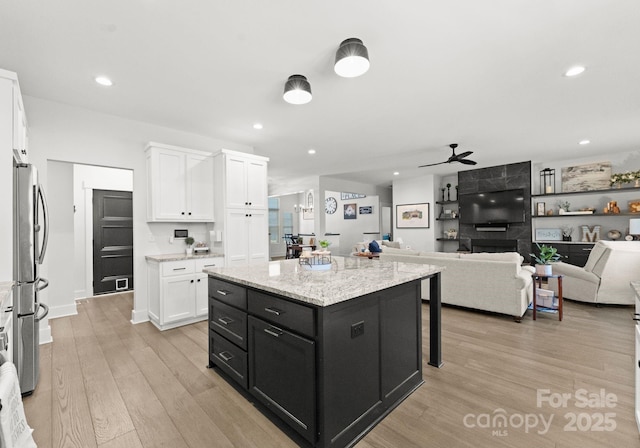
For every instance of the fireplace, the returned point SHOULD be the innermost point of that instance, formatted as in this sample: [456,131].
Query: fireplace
[494,245]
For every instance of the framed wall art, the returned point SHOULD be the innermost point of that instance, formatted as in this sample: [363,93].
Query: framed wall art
[590,176]
[412,216]
[366,210]
[350,211]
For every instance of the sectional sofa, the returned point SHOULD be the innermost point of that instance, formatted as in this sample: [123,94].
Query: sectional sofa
[495,282]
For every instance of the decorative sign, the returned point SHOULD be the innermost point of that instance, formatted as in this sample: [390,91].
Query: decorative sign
[548,235]
[367,210]
[345,196]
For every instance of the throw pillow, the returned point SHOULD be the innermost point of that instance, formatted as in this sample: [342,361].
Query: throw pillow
[374,247]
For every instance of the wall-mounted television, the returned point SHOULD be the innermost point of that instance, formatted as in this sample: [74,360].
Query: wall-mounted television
[493,207]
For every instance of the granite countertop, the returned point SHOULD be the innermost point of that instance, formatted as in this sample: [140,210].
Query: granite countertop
[635,285]
[182,256]
[349,277]
[5,290]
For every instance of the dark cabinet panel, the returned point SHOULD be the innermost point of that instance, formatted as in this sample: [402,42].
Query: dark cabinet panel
[229,358]
[229,322]
[283,375]
[281,312]
[229,293]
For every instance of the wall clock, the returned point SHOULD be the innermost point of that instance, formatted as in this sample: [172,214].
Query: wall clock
[330,205]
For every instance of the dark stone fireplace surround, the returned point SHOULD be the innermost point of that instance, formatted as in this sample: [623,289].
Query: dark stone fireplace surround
[517,236]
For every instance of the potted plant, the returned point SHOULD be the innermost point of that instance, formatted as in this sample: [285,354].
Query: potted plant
[545,256]
[324,244]
[189,242]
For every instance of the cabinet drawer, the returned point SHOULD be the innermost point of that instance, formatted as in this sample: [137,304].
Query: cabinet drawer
[229,293]
[204,263]
[297,317]
[229,322]
[231,359]
[177,267]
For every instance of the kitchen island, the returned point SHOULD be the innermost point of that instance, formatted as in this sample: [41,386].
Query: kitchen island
[329,352]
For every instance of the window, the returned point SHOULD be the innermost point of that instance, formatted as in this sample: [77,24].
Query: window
[274,222]
[287,223]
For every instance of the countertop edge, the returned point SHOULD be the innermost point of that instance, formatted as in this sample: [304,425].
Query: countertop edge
[179,257]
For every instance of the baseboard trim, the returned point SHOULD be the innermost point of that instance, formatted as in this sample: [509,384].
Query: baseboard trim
[45,335]
[63,311]
[139,316]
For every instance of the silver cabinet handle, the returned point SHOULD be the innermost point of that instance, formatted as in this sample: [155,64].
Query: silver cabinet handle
[209,265]
[225,320]
[226,356]
[222,292]
[275,311]
[179,269]
[273,331]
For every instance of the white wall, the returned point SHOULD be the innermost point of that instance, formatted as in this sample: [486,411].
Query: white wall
[60,132]
[86,178]
[352,230]
[416,191]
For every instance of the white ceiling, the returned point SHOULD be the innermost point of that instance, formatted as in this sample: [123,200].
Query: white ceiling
[485,74]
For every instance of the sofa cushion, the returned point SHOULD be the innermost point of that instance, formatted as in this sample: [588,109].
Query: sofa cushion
[594,256]
[513,257]
[440,254]
[394,244]
[391,250]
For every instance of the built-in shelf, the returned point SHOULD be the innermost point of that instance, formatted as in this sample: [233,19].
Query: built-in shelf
[567,193]
[446,202]
[601,215]
[447,239]
[447,219]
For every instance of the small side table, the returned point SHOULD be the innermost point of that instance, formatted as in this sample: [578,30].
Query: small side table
[539,279]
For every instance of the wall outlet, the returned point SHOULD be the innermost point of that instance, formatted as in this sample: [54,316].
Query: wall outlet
[357,329]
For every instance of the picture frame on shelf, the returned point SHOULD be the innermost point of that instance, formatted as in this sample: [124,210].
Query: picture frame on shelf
[540,208]
[412,216]
[548,235]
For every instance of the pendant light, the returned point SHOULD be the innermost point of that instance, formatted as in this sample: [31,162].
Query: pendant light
[297,90]
[352,58]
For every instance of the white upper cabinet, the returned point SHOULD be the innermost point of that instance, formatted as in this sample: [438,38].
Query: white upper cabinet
[245,181]
[180,184]
[20,141]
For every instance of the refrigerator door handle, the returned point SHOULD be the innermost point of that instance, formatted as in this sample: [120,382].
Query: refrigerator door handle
[45,213]
[44,306]
[42,280]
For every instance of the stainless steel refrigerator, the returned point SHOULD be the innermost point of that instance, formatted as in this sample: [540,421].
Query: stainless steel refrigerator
[30,227]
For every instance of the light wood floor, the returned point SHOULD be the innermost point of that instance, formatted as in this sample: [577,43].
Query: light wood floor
[106,383]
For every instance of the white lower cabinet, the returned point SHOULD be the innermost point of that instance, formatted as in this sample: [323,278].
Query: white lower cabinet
[178,291]
[247,237]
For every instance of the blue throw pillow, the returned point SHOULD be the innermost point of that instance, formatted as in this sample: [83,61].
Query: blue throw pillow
[373,247]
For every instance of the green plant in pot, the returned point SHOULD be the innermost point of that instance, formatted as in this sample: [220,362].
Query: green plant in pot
[324,244]
[189,242]
[545,256]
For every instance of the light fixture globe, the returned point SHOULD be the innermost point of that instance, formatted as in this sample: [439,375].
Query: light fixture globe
[297,90]
[352,58]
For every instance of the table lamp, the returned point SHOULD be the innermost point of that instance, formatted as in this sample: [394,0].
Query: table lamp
[634,227]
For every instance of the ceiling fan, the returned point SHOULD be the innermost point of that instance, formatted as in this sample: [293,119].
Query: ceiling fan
[455,157]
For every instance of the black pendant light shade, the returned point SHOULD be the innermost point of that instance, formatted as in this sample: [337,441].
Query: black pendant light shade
[297,90]
[352,58]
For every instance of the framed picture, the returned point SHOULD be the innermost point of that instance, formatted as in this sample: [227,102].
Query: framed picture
[412,216]
[350,211]
[366,210]
[591,176]
[540,208]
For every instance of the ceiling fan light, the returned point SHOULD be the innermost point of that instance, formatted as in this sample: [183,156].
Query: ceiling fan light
[297,90]
[352,58]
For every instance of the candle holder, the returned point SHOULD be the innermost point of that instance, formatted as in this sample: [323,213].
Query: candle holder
[547,181]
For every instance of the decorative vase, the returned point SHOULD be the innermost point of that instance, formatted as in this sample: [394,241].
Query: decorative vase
[543,270]
[189,250]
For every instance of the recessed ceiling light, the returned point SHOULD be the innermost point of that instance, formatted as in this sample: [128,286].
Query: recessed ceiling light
[584,142]
[104,81]
[312,151]
[257,126]
[396,173]
[574,71]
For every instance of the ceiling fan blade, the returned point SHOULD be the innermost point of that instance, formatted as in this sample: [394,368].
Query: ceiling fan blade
[462,155]
[467,162]
[432,164]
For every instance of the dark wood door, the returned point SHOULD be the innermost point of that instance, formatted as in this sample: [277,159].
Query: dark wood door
[112,241]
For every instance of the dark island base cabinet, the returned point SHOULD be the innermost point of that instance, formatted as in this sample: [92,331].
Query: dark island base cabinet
[331,373]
